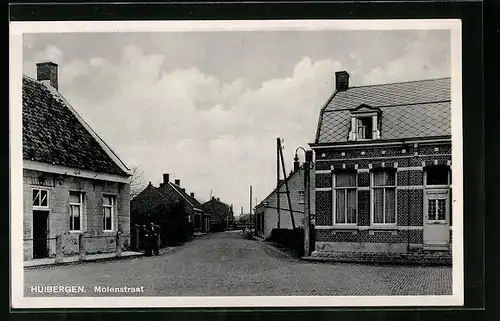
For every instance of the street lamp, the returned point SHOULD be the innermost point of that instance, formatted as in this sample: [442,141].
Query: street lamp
[307,198]
[296,158]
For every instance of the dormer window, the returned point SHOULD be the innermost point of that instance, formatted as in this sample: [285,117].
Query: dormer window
[364,123]
[364,128]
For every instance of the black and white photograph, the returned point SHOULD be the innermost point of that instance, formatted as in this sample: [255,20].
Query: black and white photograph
[236,163]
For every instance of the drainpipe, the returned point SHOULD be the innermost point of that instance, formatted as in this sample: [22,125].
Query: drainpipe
[408,207]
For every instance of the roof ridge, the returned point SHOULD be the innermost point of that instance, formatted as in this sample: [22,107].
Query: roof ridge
[31,78]
[180,193]
[282,182]
[400,82]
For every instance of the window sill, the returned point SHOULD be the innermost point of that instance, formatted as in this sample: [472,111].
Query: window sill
[345,227]
[75,232]
[383,227]
[108,231]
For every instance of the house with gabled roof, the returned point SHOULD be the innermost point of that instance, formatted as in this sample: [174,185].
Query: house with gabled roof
[267,216]
[221,214]
[73,182]
[383,168]
[166,197]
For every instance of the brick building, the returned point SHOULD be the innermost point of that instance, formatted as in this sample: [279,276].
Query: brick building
[73,183]
[383,168]
[266,212]
[167,194]
[222,214]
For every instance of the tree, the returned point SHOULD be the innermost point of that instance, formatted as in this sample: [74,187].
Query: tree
[137,183]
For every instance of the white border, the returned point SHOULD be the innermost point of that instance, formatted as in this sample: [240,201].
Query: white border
[17,29]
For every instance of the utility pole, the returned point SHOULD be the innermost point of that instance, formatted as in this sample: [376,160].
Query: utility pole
[278,149]
[287,191]
[250,217]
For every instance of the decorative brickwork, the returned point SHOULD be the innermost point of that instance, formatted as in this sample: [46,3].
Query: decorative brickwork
[410,178]
[350,153]
[370,236]
[402,207]
[435,149]
[363,163]
[416,236]
[417,161]
[363,179]
[416,207]
[324,180]
[323,208]
[363,208]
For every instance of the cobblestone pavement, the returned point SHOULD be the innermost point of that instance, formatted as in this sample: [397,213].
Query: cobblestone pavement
[227,264]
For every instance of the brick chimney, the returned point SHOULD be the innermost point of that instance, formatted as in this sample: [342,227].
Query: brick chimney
[46,72]
[166,178]
[341,80]
[178,182]
[191,194]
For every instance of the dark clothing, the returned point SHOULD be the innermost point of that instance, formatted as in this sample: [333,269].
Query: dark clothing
[151,241]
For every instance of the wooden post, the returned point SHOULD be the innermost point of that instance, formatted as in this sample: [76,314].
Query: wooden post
[118,243]
[286,189]
[59,253]
[278,148]
[82,246]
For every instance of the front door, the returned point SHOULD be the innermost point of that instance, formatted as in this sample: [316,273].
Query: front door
[436,219]
[40,234]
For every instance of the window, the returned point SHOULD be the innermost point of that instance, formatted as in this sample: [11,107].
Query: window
[75,211]
[437,175]
[40,198]
[345,198]
[109,212]
[384,197]
[364,128]
[436,209]
[301,197]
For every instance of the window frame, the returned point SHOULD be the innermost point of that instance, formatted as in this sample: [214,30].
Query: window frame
[334,199]
[113,212]
[82,210]
[358,120]
[372,198]
[440,186]
[40,207]
[301,197]
[436,188]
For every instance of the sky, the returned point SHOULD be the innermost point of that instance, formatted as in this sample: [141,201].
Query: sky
[207,107]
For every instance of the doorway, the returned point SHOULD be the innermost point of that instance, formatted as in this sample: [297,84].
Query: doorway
[436,219]
[40,234]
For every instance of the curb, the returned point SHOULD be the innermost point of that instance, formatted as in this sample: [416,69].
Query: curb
[107,259]
[273,247]
[381,260]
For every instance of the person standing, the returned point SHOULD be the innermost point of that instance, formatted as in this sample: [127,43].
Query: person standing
[154,239]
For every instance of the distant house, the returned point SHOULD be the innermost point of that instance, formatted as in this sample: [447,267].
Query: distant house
[73,182]
[222,215]
[166,196]
[266,212]
[383,168]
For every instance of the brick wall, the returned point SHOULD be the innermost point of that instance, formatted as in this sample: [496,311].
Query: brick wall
[409,199]
[59,187]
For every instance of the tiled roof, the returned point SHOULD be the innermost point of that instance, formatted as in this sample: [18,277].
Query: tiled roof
[409,110]
[218,208]
[52,134]
[191,200]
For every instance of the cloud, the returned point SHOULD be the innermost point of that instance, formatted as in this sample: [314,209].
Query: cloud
[211,134]
[428,56]
[218,135]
